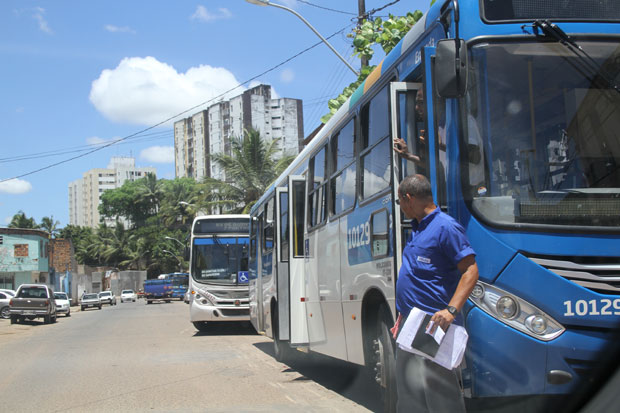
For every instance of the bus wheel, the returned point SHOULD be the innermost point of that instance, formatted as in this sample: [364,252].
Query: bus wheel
[200,326]
[281,348]
[384,368]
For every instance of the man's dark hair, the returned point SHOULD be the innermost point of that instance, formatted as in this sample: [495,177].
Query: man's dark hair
[417,186]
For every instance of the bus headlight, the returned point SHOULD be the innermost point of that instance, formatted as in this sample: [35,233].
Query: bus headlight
[507,307]
[515,312]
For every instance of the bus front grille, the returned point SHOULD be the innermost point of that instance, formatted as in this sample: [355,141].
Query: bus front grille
[599,274]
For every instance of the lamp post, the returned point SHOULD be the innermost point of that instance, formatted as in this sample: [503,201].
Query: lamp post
[268,3]
[177,258]
[174,239]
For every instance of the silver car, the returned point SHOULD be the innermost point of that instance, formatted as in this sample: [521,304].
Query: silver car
[107,297]
[90,300]
[63,304]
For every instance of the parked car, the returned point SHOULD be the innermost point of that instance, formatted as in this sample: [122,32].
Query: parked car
[90,300]
[32,301]
[63,304]
[9,292]
[107,297]
[128,295]
[5,298]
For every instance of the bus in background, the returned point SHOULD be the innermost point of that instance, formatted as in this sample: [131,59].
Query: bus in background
[180,283]
[218,279]
[514,112]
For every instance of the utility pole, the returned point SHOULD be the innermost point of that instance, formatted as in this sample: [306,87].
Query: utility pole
[361,10]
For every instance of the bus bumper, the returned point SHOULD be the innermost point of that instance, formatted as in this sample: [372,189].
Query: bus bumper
[207,312]
[501,361]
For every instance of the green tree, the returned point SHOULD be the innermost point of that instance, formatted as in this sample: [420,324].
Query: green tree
[20,220]
[49,225]
[385,33]
[249,171]
[127,202]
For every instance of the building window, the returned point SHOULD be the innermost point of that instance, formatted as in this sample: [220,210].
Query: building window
[21,250]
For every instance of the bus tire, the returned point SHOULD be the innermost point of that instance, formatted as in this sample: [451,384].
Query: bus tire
[384,362]
[201,326]
[282,349]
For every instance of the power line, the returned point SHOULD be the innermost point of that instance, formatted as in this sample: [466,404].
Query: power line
[172,117]
[326,8]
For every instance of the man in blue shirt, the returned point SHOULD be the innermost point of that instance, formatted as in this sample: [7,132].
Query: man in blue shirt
[437,275]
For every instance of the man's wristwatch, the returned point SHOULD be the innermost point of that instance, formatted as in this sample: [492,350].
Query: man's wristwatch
[452,310]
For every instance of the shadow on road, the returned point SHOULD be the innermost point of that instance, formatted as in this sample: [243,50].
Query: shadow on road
[225,328]
[349,380]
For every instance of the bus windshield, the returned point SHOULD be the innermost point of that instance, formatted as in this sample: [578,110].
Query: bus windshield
[219,259]
[542,133]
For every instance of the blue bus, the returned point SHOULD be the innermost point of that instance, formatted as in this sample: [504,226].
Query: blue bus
[514,110]
[180,282]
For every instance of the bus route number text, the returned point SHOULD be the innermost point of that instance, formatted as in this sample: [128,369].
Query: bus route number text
[603,306]
[358,236]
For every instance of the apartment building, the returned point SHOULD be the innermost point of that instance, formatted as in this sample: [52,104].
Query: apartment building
[211,131]
[85,193]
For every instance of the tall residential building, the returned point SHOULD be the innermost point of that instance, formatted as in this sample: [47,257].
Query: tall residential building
[211,131]
[85,193]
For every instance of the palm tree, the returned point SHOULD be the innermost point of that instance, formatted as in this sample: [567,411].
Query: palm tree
[49,225]
[249,171]
[21,221]
[150,190]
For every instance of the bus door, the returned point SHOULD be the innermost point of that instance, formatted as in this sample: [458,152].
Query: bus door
[407,123]
[296,256]
[282,265]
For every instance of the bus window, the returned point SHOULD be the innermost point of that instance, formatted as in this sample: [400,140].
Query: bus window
[283,227]
[376,146]
[297,192]
[342,184]
[268,226]
[441,156]
[316,189]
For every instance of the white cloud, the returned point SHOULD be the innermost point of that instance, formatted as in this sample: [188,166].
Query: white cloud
[287,76]
[204,15]
[95,140]
[15,186]
[117,29]
[38,16]
[158,154]
[146,91]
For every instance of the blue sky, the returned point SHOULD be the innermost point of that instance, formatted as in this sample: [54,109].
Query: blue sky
[76,75]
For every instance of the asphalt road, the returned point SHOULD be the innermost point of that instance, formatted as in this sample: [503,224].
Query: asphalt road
[137,357]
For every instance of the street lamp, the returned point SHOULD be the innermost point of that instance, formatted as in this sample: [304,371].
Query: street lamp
[174,239]
[268,3]
[177,258]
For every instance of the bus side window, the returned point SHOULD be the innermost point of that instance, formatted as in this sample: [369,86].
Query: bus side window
[342,181]
[316,189]
[376,145]
[283,227]
[253,230]
[268,218]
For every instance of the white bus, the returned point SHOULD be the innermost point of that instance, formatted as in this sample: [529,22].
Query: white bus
[219,269]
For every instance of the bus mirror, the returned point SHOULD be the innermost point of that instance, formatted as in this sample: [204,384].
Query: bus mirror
[186,254]
[450,68]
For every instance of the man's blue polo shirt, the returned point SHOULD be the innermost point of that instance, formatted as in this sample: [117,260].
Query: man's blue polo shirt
[429,273]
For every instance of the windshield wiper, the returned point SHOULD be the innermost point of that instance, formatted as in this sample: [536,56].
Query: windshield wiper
[547,29]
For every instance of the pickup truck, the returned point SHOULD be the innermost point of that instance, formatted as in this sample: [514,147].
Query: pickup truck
[32,301]
[157,290]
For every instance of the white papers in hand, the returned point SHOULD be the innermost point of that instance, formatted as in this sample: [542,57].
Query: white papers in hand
[451,349]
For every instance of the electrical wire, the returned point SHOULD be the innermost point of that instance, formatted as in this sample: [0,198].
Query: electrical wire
[220,96]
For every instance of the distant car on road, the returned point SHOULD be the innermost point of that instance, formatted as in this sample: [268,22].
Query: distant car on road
[63,304]
[32,301]
[5,298]
[107,297]
[90,300]
[128,295]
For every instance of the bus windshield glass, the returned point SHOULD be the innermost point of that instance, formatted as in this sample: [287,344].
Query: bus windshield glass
[219,259]
[542,134]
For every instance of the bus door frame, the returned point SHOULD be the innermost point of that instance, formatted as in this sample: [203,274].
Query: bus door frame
[395,89]
[297,289]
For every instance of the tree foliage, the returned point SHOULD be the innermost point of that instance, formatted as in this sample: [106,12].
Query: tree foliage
[20,220]
[384,33]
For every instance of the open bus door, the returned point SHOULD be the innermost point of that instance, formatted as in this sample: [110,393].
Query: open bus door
[297,287]
[410,127]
